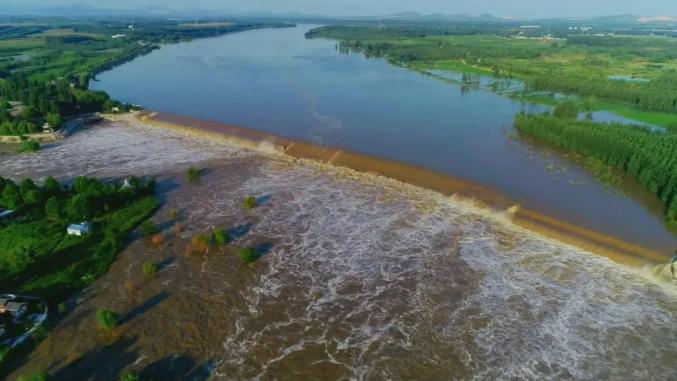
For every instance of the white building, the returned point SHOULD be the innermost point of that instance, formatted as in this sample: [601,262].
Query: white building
[80,229]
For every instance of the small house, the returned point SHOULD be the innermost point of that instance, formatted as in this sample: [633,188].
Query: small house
[80,229]
[47,127]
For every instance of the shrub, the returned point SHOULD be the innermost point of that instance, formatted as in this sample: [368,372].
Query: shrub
[199,244]
[220,237]
[148,229]
[107,320]
[4,350]
[194,173]
[29,146]
[62,308]
[131,376]
[249,202]
[42,376]
[248,255]
[566,110]
[174,213]
[150,269]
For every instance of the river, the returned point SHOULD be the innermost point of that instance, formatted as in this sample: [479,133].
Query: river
[277,81]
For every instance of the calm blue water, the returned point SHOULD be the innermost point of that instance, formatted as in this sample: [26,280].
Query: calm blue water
[277,81]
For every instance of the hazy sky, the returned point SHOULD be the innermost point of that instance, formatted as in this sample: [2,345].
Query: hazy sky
[519,8]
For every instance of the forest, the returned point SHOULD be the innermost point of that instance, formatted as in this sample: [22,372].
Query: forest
[646,156]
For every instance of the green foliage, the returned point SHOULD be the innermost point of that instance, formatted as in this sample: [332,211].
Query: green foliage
[248,255]
[249,202]
[53,118]
[130,377]
[107,320]
[37,257]
[148,229]
[566,110]
[52,187]
[54,209]
[42,376]
[150,269]
[22,127]
[11,196]
[4,350]
[29,146]
[648,157]
[220,237]
[193,173]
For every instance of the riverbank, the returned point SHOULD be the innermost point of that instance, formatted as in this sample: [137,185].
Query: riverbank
[587,239]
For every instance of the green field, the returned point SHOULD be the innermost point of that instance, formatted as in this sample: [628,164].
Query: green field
[38,257]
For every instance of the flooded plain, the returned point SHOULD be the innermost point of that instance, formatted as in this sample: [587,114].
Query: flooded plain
[360,278]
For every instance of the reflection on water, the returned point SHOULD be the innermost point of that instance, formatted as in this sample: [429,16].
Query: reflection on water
[280,82]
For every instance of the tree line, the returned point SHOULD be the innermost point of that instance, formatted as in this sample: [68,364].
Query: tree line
[85,199]
[648,157]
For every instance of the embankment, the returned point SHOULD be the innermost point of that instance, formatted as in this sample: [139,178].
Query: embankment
[602,244]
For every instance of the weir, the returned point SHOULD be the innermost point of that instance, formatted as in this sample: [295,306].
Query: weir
[566,232]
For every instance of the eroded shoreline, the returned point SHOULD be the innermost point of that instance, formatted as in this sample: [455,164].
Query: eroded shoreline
[603,244]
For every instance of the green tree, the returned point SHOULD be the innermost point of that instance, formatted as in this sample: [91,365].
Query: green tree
[11,196]
[54,119]
[79,207]
[53,208]
[107,320]
[52,187]
[566,110]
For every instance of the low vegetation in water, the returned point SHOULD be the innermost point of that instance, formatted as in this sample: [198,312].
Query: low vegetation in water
[38,257]
[107,320]
[250,202]
[220,237]
[648,157]
[248,255]
[131,377]
[193,173]
[150,269]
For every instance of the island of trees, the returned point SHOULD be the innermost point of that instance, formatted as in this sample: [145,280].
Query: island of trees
[647,156]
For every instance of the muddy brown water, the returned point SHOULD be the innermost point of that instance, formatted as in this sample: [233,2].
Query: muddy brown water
[361,278]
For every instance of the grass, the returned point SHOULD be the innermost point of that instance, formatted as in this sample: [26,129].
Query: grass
[45,262]
[655,118]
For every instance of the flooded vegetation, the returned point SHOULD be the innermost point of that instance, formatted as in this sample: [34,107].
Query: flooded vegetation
[356,276]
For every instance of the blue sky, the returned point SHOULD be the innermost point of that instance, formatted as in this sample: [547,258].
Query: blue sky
[517,8]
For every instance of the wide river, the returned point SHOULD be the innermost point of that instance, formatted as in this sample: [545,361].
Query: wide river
[277,81]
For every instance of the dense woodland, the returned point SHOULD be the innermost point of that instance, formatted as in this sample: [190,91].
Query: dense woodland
[648,157]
